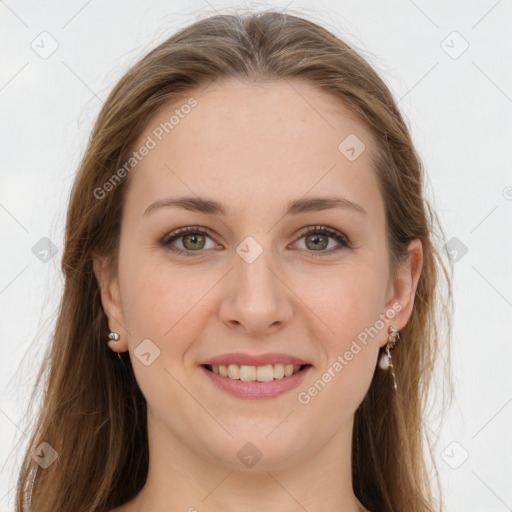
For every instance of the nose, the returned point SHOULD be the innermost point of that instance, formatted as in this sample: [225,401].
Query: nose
[256,299]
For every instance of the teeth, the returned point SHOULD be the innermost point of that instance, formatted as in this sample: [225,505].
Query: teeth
[233,371]
[265,373]
[278,371]
[256,373]
[247,373]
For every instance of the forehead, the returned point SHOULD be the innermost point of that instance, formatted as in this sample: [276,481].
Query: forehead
[265,142]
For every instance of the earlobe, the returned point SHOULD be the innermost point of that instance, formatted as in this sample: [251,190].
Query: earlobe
[110,299]
[403,290]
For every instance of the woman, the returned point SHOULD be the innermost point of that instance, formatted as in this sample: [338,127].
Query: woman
[249,313]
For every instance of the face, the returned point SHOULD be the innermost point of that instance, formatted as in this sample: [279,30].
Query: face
[267,277]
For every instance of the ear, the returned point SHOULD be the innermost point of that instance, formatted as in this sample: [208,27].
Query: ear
[402,291]
[111,301]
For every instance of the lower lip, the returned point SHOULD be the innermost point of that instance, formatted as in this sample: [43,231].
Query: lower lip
[255,389]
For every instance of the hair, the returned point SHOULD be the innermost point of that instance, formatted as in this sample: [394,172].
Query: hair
[94,413]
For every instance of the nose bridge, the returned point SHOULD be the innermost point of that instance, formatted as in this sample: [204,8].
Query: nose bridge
[257,299]
[254,282]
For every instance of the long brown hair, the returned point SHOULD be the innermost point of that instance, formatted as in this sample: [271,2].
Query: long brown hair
[94,414]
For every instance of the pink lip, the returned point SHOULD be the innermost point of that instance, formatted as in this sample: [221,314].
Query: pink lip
[253,389]
[254,360]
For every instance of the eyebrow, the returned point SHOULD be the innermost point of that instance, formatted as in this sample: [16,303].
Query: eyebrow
[295,207]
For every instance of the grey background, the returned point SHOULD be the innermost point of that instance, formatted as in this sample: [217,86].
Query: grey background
[458,106]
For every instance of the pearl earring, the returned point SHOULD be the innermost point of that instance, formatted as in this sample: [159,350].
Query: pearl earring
[385,361]
[114,336]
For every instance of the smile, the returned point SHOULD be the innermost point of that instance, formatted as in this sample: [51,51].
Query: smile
[264,373]
[255,382]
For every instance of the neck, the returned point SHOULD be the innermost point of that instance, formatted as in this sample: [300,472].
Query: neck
[180,478]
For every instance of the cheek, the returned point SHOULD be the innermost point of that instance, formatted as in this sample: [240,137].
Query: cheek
[168,308]
[347,300]
[164,303]
[349,305]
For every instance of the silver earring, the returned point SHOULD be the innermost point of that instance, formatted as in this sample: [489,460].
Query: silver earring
[114,336]
[385,361]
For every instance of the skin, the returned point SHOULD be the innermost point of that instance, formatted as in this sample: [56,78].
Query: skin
[253,147]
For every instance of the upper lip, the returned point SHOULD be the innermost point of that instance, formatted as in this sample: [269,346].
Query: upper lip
[240,358]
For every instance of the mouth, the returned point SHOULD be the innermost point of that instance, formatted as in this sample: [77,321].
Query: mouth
[264,373]
[261,382]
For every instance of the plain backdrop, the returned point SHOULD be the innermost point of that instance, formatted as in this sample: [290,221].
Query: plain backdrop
[449,64]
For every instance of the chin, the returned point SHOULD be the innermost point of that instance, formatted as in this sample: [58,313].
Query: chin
[259,452]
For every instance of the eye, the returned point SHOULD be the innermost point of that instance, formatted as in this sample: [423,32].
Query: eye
[191,239]
[316,239]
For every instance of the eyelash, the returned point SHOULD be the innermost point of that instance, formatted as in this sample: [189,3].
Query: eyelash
[197,230]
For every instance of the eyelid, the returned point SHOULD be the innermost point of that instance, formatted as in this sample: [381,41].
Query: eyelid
[176,234]
[320,228]
[186,230]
